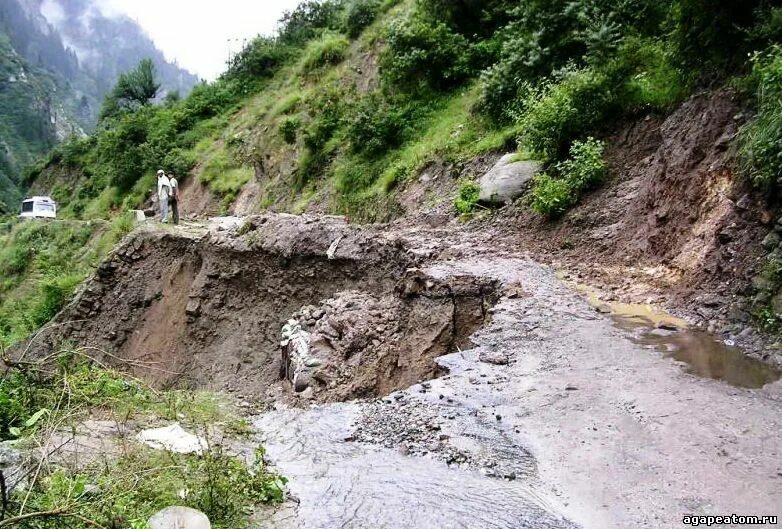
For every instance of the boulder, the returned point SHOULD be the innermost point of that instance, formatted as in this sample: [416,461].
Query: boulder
[179,518]
[771,240]
[507,180]
[173,438]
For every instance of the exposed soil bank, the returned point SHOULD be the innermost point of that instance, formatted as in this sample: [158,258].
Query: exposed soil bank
[205,309]
[675,224]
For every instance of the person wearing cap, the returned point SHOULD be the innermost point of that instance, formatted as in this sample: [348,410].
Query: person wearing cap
[163,194]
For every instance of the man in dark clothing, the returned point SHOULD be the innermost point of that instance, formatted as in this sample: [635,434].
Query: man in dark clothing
[174,200]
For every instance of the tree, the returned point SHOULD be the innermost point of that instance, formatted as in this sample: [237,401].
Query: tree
[133,90]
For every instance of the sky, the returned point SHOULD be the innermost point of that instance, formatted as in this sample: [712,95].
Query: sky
[196,33]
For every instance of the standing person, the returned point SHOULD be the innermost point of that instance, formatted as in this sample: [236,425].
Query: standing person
[174,200]
[163,194]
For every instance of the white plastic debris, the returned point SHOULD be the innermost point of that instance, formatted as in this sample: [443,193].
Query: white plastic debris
[179,518]
[173,438]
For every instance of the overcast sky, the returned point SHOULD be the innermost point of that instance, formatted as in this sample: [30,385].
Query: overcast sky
[195,33]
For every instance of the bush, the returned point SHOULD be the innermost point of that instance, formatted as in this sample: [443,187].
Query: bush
[470,17]
[360,14]
[467,198]
[308,20]
[422,52]
[328,50]
[579,103]
[585,168]
[289,129]
[376,125]
[54,293]
[260,59]
[551,196]
[760,140]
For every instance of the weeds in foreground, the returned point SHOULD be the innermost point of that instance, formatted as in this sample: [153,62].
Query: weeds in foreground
[43,403]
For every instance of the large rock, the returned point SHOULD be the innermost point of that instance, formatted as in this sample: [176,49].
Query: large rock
[173,438]
[507,180]
[11,465]
[179,518]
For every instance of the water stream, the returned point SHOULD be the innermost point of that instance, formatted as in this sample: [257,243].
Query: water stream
[343,484]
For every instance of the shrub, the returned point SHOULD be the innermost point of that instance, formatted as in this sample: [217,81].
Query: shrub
[308,20]
[289,129]
[467,198]
[360,14]
[54,293]
[579,103]
[585,168]
[760,140]
[328,50]
[259,59]
[422,52]
[551,196]
[376,125]
[471,17]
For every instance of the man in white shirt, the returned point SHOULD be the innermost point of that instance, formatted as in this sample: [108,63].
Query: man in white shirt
[163,194]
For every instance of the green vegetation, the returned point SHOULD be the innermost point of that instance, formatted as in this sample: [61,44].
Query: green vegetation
[125,487]
[41,263]
[760,142]
[352,97]
[328,50]
[584,169]
[466,200]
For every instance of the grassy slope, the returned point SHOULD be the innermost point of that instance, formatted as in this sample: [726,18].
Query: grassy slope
[445,130]
[42,262]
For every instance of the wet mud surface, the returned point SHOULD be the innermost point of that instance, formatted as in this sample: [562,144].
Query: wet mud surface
[489,393]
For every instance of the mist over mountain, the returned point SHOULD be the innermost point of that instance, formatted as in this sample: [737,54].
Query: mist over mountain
[58,60]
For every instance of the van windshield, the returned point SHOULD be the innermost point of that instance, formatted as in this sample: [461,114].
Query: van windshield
[27,207]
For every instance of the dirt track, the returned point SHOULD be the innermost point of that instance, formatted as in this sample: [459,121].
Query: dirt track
[556,418]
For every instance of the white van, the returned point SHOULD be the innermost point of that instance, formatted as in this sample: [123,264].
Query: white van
[38,207]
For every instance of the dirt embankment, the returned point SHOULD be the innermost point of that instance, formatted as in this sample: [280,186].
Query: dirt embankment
[675,224]
[206,309]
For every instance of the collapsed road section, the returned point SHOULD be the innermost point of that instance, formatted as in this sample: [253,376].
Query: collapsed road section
[204,309]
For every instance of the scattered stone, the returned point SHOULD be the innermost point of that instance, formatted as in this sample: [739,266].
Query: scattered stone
[603,309]
[570,387]
[667,326]
[494,357]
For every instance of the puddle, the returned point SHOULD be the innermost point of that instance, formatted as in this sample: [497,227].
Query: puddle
[704,355]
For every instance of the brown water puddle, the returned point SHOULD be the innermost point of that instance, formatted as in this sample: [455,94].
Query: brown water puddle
[705,355]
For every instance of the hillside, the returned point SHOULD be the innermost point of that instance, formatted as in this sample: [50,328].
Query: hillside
[480,263]
[55,73]
[377,110]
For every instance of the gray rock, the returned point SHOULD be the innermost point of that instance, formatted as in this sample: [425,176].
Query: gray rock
[776,304]
[507,180]
[179,518]
[11,465]
[491,357]
[771,240]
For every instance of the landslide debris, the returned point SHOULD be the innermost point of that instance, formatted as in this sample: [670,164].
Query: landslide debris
[205,308]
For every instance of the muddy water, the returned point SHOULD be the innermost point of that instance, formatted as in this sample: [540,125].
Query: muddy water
[704,355]
[354,486]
